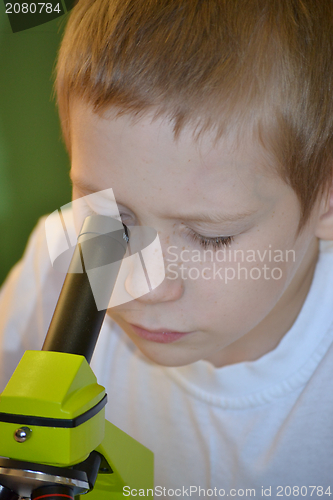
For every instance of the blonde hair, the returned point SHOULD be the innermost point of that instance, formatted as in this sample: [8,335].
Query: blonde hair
[214,64]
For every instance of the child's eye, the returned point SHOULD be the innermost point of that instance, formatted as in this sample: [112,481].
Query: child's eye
[215,242]
[125,219]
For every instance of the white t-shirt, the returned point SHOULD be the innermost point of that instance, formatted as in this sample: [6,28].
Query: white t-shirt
[260,425]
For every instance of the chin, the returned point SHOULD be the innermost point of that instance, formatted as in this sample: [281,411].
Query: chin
[166,355]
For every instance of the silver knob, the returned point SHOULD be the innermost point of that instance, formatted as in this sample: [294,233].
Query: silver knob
[22,434]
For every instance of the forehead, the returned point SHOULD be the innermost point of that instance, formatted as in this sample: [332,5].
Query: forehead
[125,154]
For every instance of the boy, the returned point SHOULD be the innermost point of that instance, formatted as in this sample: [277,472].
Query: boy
[212,123]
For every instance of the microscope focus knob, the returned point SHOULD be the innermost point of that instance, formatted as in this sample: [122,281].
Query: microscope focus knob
[22,434]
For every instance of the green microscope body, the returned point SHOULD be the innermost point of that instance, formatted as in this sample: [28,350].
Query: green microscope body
[54,440]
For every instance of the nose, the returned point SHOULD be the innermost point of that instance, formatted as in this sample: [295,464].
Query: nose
[145,280]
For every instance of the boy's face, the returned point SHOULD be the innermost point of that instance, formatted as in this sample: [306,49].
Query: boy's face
[237,305]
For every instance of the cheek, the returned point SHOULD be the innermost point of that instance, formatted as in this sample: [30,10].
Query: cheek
[237,295]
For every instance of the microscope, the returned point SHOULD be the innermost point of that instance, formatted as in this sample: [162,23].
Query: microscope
[54,440]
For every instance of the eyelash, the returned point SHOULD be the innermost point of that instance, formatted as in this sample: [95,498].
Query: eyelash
[205,242]
[216,242]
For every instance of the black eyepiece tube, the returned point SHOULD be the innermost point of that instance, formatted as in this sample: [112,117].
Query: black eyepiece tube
[90,280]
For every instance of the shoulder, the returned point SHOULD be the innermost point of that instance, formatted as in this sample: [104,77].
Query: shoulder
[27,299]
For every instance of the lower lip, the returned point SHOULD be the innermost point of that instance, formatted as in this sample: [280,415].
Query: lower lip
[162,338]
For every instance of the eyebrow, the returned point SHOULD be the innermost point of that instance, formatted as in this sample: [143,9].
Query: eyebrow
[212,217]
[81,184]
[215,218]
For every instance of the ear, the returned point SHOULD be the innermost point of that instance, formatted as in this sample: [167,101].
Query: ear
[324,227]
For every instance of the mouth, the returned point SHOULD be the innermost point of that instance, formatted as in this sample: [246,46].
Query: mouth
[162,335]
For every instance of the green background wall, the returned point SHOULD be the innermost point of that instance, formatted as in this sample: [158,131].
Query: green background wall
[33,162]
